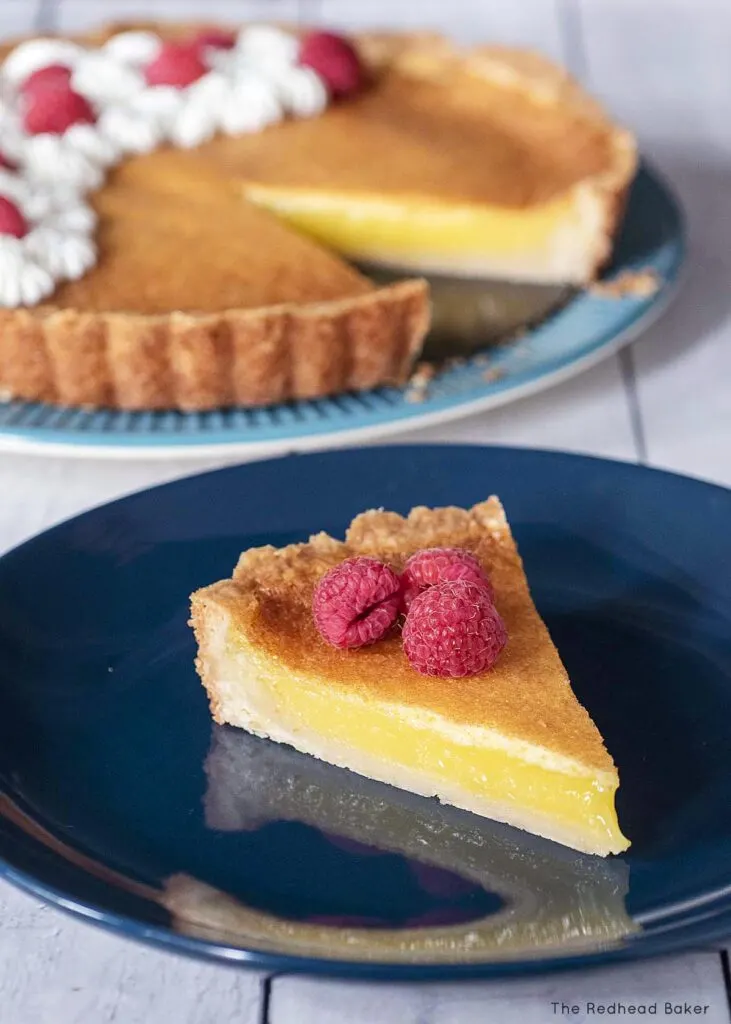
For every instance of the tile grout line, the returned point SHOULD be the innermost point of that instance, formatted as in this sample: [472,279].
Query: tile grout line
[629,380]
[572,38]
[726,972]
[45,19]
[266,998]
[267,993]
[569,13]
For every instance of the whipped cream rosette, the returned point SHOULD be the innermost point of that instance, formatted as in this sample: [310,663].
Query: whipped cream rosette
[69,113]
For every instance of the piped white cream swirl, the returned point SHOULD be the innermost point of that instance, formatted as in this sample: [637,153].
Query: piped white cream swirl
[35,54]
[66,255]
[248,88]
[54,158]
[23,280]
[302,92]
[129,131]
[266,48]
[251,105]
[102,80]
[133,48]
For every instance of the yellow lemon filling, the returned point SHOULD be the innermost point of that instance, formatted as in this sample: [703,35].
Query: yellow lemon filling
[386,230]
[569,797]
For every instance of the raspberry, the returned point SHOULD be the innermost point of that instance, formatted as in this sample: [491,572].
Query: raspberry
[177,64]
[53,76]
[55,110]
[334,60]
[356,602]
[215,39]
[436,565]
[453,629]
[12,221]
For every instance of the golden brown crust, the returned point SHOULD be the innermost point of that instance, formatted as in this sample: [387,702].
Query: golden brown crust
[551,85]
[547,85]
[526,696]
[238,357]
[432,56]
[190,361]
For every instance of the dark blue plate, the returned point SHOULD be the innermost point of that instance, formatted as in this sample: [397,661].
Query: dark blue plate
[120,802]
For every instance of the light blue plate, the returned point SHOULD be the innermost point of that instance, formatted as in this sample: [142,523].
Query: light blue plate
[583,332]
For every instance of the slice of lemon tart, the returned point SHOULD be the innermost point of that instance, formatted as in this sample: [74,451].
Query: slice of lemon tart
[177,205]
[487,163]
[467,701]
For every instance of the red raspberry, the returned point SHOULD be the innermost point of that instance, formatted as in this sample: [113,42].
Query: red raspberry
[437,565]
[53,76]
[335,61]
[215,39]
[55,110]
[12,221]
[177,64]
[356,602]
[453,629]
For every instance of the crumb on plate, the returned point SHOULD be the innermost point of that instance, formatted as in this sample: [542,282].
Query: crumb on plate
[638,284]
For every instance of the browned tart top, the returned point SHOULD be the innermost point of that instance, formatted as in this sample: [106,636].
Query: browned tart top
[527,694]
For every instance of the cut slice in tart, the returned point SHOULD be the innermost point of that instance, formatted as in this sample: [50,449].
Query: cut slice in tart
[216,273]
[192,297]
[181,312]
[489,163]
[512,743]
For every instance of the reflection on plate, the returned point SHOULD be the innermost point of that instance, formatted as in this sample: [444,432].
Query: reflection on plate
[486,889]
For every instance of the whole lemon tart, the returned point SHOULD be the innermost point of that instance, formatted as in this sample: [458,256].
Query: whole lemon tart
[468,701]
[181,207]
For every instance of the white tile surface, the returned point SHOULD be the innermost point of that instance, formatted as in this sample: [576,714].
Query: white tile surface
[588,414]
[694,980]
[40,491]
[17,16]
[528,23]
[80,14]
[57,970]
[670,79]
